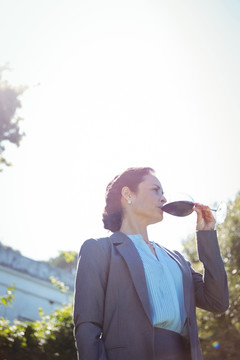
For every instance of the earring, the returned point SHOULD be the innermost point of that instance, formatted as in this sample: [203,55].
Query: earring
[129,201]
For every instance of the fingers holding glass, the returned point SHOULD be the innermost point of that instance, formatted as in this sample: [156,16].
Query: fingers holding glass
[205,218]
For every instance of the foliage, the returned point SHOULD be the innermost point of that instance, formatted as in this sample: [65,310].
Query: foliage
[66,260]
[220,333]
[50,338]
[9,122]
[59,284]
[9,297]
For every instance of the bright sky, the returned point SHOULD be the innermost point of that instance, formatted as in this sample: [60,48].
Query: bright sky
[114,84]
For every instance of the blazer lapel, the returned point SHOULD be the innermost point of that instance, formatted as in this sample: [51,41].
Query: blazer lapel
[130,254]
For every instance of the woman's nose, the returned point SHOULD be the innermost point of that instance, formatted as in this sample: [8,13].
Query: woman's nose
[163,199]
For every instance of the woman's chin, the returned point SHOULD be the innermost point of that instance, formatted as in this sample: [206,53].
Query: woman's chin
[158,219]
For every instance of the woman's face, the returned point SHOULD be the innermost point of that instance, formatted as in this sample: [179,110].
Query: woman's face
[147,202]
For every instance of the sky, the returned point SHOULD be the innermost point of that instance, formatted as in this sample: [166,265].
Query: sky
[111,85]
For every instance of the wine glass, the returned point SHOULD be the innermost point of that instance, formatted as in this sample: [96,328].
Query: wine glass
[183,205]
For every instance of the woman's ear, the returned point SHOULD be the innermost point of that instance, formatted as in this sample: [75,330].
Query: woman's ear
[126,194]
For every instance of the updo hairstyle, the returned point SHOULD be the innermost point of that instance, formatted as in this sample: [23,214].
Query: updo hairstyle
[113,211]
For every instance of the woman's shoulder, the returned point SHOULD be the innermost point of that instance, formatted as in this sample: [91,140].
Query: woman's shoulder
[96,244]
[102,241]
[94,254]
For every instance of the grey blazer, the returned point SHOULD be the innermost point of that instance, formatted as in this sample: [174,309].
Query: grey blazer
[112,314]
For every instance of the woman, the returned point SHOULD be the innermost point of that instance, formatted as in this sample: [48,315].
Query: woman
[134,299]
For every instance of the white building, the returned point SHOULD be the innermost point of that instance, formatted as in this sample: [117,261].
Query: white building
[33,289]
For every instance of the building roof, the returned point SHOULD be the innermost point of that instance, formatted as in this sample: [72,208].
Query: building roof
[38,269]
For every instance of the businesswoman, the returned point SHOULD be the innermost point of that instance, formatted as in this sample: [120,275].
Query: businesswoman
[135,299]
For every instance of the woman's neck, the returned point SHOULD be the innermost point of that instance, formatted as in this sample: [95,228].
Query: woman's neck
[131,227]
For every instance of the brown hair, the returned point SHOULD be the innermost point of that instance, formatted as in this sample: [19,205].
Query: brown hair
[113,212]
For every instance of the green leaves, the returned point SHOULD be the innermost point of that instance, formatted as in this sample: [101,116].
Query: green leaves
[59,284]
[65,260]
[49,338]
[9,297]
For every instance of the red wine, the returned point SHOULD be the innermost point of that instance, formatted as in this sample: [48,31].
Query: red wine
[179,208]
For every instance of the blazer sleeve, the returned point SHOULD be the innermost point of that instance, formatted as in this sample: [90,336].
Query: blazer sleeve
[89,298]
[211,288]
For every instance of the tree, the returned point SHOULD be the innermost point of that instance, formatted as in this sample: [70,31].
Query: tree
[66,260]
[9,121]
[50,338]
[220,333]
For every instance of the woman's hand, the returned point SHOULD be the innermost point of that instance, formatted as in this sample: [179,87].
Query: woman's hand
[205,218]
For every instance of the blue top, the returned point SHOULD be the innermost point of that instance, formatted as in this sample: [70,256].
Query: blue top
[165,286]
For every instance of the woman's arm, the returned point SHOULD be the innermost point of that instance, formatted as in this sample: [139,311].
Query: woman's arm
[211,288]
[89,297]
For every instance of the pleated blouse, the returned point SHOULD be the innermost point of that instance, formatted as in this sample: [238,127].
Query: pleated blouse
[164,284]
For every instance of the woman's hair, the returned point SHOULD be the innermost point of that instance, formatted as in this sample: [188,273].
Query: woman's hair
[113,211]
